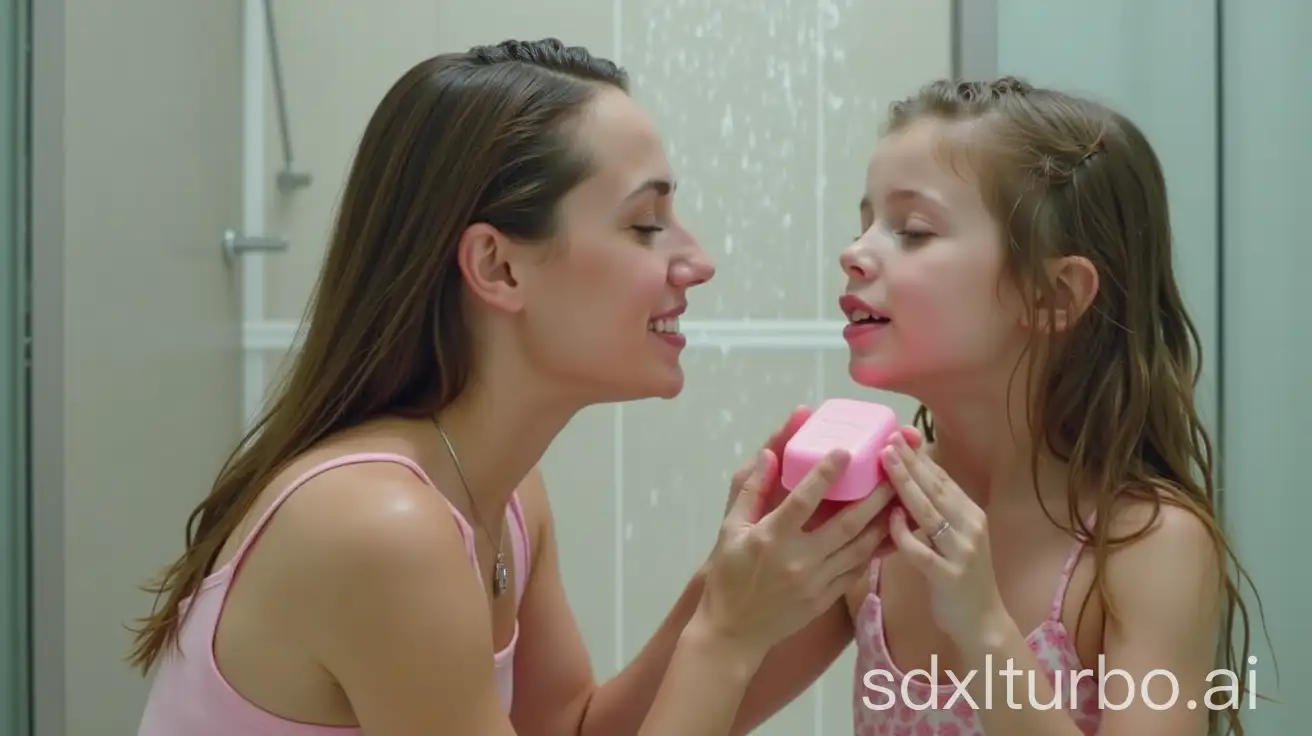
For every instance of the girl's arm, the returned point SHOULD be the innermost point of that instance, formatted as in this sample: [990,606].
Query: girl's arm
[1166,592]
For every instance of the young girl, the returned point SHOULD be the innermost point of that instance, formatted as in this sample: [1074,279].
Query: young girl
[1014,275]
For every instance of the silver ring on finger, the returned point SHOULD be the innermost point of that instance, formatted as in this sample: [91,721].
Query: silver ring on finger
[942,527]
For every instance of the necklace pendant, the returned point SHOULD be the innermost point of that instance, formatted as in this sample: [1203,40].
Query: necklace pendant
[500,577]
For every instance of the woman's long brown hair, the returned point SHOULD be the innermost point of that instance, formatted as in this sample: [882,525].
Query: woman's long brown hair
[482,136]
[1114,398]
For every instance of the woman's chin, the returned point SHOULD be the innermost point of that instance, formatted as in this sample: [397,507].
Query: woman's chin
[670,386]
[666,383]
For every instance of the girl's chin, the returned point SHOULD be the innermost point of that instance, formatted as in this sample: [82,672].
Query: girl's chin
[872,375]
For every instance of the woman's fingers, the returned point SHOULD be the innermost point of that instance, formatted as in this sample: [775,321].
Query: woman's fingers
[794,511]
[745,507]
[780,438]
[856,554]
[774,444]
[847,524]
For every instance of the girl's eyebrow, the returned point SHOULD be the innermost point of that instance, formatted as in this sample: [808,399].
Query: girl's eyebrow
[914,196]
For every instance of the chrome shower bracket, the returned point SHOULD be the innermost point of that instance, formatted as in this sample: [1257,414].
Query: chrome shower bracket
[289,179]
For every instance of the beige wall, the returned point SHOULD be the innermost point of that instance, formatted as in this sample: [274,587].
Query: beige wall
[769,111]
[136,172]
[769,139]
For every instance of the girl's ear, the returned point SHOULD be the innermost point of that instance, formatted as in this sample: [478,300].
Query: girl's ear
[1074,284]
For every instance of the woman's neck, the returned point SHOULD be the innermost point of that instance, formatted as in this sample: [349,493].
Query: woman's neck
[497,436]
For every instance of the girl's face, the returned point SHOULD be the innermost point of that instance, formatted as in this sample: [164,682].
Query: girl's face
[929,308]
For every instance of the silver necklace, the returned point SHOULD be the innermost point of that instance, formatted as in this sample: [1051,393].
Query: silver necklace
[500,573]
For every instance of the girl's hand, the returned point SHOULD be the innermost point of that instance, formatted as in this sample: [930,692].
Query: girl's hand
[950,547]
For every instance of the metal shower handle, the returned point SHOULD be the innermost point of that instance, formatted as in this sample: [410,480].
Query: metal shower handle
[235,245]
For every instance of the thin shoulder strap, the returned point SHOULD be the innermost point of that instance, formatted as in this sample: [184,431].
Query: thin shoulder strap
[521,546]
[312,473]
[1064,582]
[874,576]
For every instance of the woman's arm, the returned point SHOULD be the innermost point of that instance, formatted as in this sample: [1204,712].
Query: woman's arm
[703,687]
[556,693]
[393,611]
[390,608]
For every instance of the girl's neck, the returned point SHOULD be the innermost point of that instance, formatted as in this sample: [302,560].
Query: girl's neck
[989,452]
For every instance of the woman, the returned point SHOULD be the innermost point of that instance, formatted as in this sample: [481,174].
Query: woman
[506,253]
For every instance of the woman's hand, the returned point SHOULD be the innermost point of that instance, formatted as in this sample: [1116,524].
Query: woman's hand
[769,576]
[776,492]
[950,547]
[775,446]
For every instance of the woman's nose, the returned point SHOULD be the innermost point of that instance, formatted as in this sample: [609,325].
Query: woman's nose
[696,269]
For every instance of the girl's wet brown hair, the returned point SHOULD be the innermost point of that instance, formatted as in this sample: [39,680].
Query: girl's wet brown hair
[481,136]
[1114,395]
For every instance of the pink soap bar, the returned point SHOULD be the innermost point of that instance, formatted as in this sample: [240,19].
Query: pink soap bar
[862,428]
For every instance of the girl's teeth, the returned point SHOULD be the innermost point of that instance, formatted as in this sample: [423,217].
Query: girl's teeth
[861,316]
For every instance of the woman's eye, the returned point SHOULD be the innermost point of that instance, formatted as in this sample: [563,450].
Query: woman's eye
[647,232]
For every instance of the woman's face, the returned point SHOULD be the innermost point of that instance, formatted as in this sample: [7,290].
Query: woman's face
[928,267]
[603,304]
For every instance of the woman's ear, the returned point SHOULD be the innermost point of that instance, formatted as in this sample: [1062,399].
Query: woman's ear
[484,257]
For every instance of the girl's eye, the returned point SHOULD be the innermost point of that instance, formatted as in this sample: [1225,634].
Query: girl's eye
[913,237]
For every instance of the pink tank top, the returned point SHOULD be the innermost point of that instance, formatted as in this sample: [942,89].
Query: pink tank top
[878,713]
[190,697]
